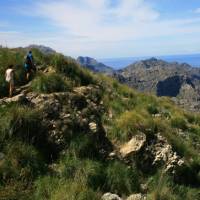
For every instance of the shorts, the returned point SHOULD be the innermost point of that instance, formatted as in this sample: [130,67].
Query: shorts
[27,68]
[11,82]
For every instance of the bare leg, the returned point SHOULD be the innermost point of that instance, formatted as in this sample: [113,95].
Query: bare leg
[27,76]
[11,89]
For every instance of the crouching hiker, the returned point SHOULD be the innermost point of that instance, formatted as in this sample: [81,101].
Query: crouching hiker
[29,65]
[9,76]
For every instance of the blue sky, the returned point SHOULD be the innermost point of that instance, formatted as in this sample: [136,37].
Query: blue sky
[103,28]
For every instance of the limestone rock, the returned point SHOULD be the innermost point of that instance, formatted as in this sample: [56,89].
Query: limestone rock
[165,155]
[110,196]
[133,146]
[137,197]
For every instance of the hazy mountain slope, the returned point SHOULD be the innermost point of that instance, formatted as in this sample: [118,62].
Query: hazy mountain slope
[42,48]
[94,65]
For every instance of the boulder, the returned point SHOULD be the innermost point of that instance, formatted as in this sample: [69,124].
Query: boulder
[133,146]
[110,196]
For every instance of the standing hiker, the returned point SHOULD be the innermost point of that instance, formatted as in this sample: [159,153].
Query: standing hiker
[29,65]
[9,76]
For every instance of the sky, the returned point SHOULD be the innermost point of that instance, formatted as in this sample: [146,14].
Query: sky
[103,28]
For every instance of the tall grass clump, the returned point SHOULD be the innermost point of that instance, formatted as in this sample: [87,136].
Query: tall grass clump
[22,122]
[71,69]
[19,167]
[84,146]
[179,122]
[52,188]
[161,187]
[120,179]
[130,123]
[48,83]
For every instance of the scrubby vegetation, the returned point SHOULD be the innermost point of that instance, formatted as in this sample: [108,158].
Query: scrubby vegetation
[30,170]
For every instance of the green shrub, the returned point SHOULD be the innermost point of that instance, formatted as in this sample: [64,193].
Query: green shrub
[48,83]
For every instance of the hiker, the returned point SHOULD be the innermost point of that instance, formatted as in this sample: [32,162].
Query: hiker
[9,76]
[29,65]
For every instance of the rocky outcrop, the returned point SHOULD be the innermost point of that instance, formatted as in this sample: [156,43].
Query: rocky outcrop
[149,154]
[67,113]
[163,154]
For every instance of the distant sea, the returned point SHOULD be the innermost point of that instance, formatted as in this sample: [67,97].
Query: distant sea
[118,63]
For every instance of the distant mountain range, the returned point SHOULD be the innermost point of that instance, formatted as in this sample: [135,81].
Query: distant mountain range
[164,79]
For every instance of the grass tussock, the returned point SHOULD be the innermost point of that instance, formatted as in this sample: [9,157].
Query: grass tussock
[48,83]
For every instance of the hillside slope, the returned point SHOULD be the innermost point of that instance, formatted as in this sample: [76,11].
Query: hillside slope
[70,134]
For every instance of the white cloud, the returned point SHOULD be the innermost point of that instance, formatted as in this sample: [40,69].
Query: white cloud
[197,11]
[93,27]
[96,20]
